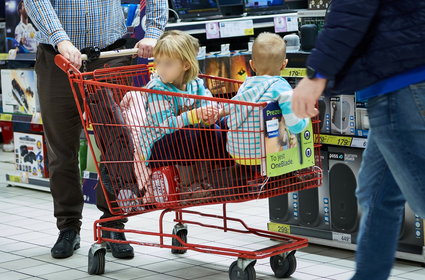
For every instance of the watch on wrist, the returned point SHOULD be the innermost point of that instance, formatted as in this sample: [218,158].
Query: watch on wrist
[311,72]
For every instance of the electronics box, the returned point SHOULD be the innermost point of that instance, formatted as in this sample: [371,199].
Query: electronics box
[343,114]
[362,119]
[30,154]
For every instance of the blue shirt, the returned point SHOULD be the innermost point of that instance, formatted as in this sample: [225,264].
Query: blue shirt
[392,84]
[88,23]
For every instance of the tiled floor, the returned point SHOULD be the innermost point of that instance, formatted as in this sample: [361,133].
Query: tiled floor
[27,231]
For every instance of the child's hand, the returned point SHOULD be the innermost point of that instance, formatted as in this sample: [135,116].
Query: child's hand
[208,114]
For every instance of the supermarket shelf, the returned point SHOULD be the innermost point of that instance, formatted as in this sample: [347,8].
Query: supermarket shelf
[32,119]
[198,27]
[343,141]
[21,179]
[30,57]
[336,240]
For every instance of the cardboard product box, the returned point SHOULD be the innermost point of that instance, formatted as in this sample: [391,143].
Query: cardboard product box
[318,4]
[90,165]
[314,204]
[412,233]
[201,59]
[362,119]
[19,91]
[31,154]
[344,166]
[2,37]
[239,66]
[90,181]
[325,114]
[20,31]
[343,114]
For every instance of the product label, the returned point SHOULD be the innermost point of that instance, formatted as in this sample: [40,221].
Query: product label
[282,228]
[341,237]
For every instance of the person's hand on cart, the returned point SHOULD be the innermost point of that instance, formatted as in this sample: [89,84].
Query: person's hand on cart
[145,47]
[70,52]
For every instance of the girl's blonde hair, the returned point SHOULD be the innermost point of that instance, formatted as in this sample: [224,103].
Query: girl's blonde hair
[182,46]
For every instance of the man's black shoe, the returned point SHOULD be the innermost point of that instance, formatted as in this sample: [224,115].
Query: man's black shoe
[119,250]
[68,241]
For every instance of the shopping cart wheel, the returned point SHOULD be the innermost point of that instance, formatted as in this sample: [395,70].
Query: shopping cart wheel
[97,254]
[282,266]
[237,273]
[180,231]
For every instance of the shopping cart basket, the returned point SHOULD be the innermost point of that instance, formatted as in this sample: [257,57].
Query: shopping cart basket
[112,102]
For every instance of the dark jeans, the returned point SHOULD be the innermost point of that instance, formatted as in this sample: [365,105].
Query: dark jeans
[392,172]
[62,128]
[185,145]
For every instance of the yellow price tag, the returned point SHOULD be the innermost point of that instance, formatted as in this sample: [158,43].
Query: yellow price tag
[294,72]
[16,179]
[336,140]
[6,117]
[249,31]
[282,228]
[4,56]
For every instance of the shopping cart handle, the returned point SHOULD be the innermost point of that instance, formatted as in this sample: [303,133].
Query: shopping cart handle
[66,66]
[109,54]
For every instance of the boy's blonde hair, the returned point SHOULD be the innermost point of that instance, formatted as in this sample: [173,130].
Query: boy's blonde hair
[182,46]
[268,52]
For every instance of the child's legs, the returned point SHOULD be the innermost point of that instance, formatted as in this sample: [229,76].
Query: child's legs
[175,148]
[214,141]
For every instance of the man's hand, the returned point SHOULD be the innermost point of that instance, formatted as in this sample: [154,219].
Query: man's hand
[70,52]
[145,47]
[305,97]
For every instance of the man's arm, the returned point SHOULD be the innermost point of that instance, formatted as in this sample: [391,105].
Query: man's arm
[346,27]
[156,19]
[46,20]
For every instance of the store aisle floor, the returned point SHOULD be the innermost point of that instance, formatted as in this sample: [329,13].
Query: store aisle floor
[27,231]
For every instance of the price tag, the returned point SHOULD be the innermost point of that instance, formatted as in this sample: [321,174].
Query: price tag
[212,30]
[236,28]
[341,237]
[336,140]
[6,117]
[282,228]
[359,143]
[16,179]
[294,72]
[292,23]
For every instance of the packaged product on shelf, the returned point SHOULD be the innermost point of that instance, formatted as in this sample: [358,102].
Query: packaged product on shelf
[362,119]
[239,66]
[343,114]
[318,4]
[30,154]
[19,91]
[325,114]
[201,58]
[20,32]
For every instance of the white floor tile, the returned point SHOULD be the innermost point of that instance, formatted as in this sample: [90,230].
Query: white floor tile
[325,270]
[27,236]
[13,275]
[414,275]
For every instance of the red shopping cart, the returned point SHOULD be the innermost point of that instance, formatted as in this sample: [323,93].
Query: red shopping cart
[112,103]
